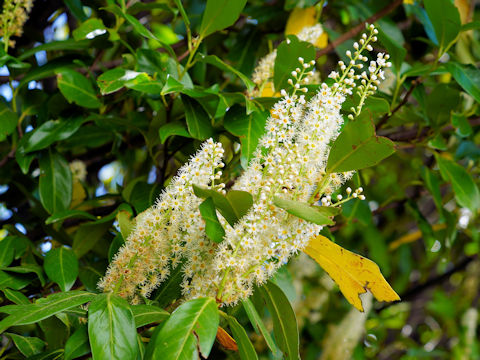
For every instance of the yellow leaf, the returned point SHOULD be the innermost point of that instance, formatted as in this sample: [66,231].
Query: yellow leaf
[353,273]
[300,18]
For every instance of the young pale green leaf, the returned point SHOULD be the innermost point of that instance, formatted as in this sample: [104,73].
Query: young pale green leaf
[288,53]
[220,14]
[445,20]
[176,340]
[147,314]
[213,228]
[77,344]
[198,121]
[320,215]
[358,147]
[245,346]
[55,185]
[9,121]
[61,266]
[44,308]
[258,325]
[173,128]
[111,328]
[217,62]
[249,128]
[465,189]
[468,76]
[77,88]
[28,346]
[284,321]
[232,207]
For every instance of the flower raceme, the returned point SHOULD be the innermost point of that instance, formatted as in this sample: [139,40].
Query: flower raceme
[289,164]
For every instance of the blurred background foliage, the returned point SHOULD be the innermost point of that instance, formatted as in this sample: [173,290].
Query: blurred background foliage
[97,112]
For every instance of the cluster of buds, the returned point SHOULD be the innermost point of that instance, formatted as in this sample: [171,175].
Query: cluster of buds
[339,199]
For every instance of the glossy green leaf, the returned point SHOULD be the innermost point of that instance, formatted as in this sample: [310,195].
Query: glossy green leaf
[55,185]
[233,206]
[69,214]
[320,215]
[259,326]
[170,290]
[468,77]
[286,61]
[77,88]
[245,346]
[465,189]
[61,266]
[445,20]
[220,14]
[173,128]
[77,344]
[213,228]
[198,121]
[176,340]
[147,314]
[9,121]
[43,308]
[111,328]
[52,131]
[7,251]
[249,128]
[14,281]
[15,296]
[89,29]
[28,346]
[358,147]
[217,62]
[28,268]
[284,321]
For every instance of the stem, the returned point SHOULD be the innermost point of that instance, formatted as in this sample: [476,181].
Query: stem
[320,188]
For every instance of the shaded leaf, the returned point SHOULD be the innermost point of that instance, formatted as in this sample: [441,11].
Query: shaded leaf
[213,228]
[61,266]
[220,14]
[77,88]
[77,344]
[198,121]
[28,346]
[258,325]
[245,346]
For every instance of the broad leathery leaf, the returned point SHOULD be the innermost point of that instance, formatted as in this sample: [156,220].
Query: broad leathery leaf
[467,76]
[77,344]
[353,273]
[28,268]
[28,346]
[285,326]
[173,128]
[320,215]
[89,29]
[233,206]
[43,308]
[258,325]
[16,297]
[220,14]
[213,227]
[147,314]
[68,214]
[198,121]
[55,184]
[245,346]
[111,328]
[465,189]
[61,266]
[288,53]
[357,147]
[77,88]
[445,20]
[176,340]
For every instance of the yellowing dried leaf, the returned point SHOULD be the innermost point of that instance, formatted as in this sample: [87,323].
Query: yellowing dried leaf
[226,340]
[300,18]
[353,273]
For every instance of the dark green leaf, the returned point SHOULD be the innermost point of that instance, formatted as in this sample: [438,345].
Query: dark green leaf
[286,61]
[358,147]
[320,215]
[16,296]
[220,14]
[213,228]
[76,8]
[9,121]
[147,314]
[467,76]
[87,236]
[55,185]
[69,214]
[14,281]
[170,289]
[245,346]
[111,328]
[61,266]
[284,321]
[445,20]
[440,103]
[28,346]
[7,251]
[173,128]
[465,189]
[43,308]
[77,88]
[198,121]
[77,344]
[176,339]
[28,268]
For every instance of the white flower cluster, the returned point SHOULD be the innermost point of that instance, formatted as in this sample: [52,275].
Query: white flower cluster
[290,163]
[263,73]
